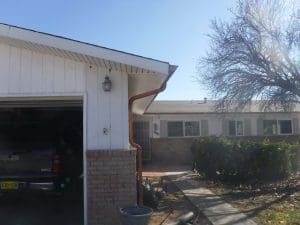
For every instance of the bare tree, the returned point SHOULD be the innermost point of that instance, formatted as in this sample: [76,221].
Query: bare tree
[254,56]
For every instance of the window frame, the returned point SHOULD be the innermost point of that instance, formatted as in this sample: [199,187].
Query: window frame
[183,128]
[278,132]
[235,127]
[279,127]
[173,121]
[192,121]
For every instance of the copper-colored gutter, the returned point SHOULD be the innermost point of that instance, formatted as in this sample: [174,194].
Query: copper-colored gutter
[131,139]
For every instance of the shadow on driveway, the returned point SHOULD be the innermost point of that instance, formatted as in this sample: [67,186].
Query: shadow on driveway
[41,209]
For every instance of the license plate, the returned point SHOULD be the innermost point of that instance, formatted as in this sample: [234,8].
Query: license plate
[9,185]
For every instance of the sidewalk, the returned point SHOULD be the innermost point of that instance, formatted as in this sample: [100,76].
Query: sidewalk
[217,211]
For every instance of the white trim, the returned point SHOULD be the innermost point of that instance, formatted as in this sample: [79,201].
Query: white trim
[83,48]
[85,206]
[278,128]
[46,96]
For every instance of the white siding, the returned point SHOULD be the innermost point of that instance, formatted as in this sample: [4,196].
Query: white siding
[4,67]
[28,73]
[48,71]
[14,70]
[215,120]
[25,78]
[93,132]
[36,73]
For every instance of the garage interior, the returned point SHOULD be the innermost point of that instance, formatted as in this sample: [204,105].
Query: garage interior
[41,137]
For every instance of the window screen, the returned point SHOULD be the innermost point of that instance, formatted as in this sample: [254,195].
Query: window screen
[239,128]
[175,128]
[232,130]
[236,128]
[192,128]
[270,127]
[285,126]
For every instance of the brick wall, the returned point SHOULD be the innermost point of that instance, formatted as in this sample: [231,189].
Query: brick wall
[171,151]
[177,151]
[111,183]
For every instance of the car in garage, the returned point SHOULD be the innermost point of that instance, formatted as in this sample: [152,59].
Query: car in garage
[29,169]
[38,151]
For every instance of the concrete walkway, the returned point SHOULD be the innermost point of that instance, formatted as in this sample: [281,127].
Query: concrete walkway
[213,207]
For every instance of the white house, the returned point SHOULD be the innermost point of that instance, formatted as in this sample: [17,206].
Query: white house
[43,70]
[167,127]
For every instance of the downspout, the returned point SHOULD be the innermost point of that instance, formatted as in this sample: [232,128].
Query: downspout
[131,139]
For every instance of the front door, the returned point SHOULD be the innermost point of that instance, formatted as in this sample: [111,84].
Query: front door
[141,137]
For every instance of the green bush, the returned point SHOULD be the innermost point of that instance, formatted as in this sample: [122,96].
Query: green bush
[211,155]
[221,158]
[295,151]
[272,161]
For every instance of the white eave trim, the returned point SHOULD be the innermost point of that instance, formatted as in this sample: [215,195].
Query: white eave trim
[83,48]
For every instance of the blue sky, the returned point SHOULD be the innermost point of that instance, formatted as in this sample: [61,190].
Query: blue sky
[168,30]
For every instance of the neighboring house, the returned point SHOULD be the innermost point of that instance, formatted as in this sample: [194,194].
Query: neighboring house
[173,123]
[43,70]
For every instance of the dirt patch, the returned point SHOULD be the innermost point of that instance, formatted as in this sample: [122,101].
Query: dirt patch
[267,203]
[173,204]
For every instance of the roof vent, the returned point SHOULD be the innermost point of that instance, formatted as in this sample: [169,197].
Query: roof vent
[203,102]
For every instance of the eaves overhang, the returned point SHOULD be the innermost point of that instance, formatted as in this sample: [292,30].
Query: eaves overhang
[81,51]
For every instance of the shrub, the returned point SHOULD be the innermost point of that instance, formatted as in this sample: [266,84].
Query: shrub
[295,152]
[221,158]
[272,161]
[211,155]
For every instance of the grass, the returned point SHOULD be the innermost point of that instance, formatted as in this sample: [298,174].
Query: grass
[275,217]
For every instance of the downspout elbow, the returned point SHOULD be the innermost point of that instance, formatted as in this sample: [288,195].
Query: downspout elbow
[172,69]
[135,145]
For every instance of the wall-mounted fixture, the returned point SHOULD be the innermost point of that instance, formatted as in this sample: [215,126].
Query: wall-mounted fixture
[107,84]
[105,131]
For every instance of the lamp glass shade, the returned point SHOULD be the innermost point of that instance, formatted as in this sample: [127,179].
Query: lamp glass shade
[107,84]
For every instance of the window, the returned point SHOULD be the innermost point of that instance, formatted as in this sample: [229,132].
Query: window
[273,127]
[236,128]
[183,129]
[192,128]
[155,128]
[285,126]
[270,127]
[175,129]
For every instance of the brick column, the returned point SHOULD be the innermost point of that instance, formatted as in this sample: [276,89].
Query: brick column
[111,183]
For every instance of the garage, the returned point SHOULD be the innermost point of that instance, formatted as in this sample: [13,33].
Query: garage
[66,111]
[41,161]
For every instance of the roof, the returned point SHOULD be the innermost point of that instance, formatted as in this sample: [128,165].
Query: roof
[145,73]
[82,51]
[201,106]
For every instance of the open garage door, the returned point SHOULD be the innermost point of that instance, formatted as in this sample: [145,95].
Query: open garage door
[45,102]
[41,161]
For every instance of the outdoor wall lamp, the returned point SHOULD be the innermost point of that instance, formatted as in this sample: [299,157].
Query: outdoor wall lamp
[107,84]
